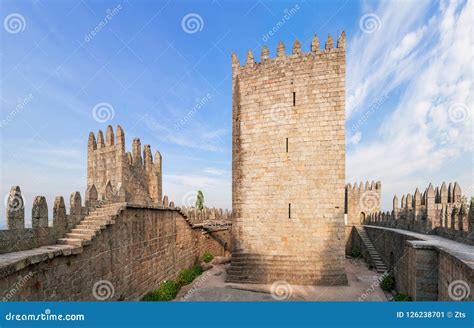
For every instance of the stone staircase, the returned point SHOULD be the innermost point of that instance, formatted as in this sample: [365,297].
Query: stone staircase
[254,269]
[92,225]
[374,257]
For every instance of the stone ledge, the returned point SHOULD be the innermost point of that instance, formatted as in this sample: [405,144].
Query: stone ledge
[460,251]
[16,261]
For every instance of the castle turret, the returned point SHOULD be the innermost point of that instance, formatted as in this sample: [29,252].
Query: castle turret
[283,108]
[115,175]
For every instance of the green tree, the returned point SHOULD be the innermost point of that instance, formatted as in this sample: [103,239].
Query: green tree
[200,200]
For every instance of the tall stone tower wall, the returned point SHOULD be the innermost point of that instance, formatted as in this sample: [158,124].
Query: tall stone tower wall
[289,166]
[113,173]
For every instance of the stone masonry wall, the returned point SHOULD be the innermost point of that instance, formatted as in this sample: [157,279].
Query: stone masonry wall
[362,200]
[127,176]
[438,211]
[135,254]
[289,163]
[422,269]
[18,238]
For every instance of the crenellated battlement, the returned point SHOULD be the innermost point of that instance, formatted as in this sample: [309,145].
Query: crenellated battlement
[212,217]
[17,237]
[360,200]
[315,53]
[288,120]
[119,175]
[439,210]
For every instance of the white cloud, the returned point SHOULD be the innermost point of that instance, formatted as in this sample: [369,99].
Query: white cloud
[420,140]
[214,171]
[181,187]
[355,138]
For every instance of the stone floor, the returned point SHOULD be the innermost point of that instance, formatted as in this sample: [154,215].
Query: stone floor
[211,286]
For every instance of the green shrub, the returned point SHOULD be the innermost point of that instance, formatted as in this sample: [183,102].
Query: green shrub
[355,252]
[166,292]
[197,270]
[388,283]
[186,276]
[402,298]
[207,257]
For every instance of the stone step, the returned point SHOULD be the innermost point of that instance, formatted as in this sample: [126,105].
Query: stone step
[81,230]
[99,216]
[79,236]
[259,269]
[273,264]
[101,222]
[71,241]
[91,226]
[375,258]
[259,279]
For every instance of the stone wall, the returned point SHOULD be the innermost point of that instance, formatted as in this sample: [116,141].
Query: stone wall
[361,200]
[289,164]
[438,211]
[18,238]
[207,215]
[127,176]
[143,247]
[423,269]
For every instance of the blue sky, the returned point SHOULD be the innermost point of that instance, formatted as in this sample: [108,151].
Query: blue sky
[408,89]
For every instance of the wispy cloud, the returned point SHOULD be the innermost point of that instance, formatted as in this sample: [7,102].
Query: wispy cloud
[182,187]
[429,128]
[214,171]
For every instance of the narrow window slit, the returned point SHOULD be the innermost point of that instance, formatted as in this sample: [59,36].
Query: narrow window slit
[286,144]
[289,211]
[294,98]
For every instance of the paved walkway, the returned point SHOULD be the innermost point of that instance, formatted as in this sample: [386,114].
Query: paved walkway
[211,286]
[463,252]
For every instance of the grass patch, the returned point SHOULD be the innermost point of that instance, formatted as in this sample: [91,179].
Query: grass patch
[166,292]
[207,257]
[186,276]
[387,283]
[168,289]
[402,298]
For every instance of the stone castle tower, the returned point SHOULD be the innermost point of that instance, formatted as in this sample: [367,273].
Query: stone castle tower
[362,200]
[114,174]
[289,166]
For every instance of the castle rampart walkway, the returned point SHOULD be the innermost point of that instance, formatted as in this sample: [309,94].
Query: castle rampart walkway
[426,267]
